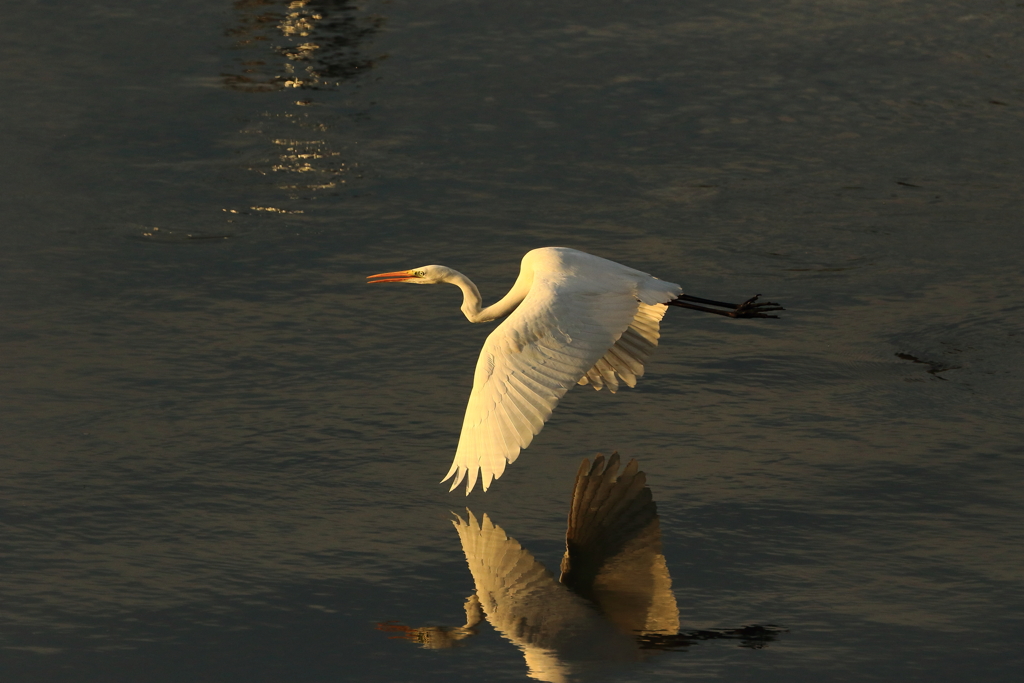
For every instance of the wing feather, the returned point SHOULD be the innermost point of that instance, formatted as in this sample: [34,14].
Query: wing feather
[607,374]
[517,414]
[523,399]
[585,320]
[626,358]
[528,363]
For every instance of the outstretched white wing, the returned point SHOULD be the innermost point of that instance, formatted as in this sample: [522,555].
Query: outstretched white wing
[625,359]
[572,323]
[526,366]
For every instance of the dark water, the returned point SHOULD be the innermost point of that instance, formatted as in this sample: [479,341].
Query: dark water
[220,449]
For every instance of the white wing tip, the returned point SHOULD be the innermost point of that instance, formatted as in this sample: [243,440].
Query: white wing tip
[470,479]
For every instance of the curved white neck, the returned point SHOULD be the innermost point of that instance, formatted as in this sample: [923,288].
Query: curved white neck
[471,299]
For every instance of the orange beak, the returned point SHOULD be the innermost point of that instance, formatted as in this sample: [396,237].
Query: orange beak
[396,276]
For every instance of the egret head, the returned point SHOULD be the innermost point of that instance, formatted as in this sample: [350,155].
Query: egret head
[424,275]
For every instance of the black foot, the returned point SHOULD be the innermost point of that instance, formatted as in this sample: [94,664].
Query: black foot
[751,309]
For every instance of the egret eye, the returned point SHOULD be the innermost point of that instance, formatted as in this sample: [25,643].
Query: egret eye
[419,273]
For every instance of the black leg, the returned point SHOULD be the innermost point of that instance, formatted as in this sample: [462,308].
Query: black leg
[698,300]
[695,307]
[748,309]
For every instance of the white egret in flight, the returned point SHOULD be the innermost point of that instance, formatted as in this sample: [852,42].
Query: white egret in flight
[573,318]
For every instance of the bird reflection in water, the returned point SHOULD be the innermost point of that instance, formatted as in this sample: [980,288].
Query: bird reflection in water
[613,601]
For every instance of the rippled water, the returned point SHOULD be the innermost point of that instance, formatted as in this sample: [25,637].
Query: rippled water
[220,449]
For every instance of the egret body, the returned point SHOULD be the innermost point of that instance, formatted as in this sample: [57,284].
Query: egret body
[572,318]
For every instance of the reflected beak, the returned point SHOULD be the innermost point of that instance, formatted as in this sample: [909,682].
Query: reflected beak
[396,276]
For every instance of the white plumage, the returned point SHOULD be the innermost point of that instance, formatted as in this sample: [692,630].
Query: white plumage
[565,331]
[573,318]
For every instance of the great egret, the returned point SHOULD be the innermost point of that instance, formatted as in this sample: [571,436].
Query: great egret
[573,318]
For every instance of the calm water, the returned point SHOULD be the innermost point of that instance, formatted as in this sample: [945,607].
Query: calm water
[220,448]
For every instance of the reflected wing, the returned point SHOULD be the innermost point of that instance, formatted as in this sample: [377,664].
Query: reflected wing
[524,603]
[625,359]
[526,366]
[613,548]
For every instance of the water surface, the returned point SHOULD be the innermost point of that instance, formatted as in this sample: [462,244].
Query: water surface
[220,449]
